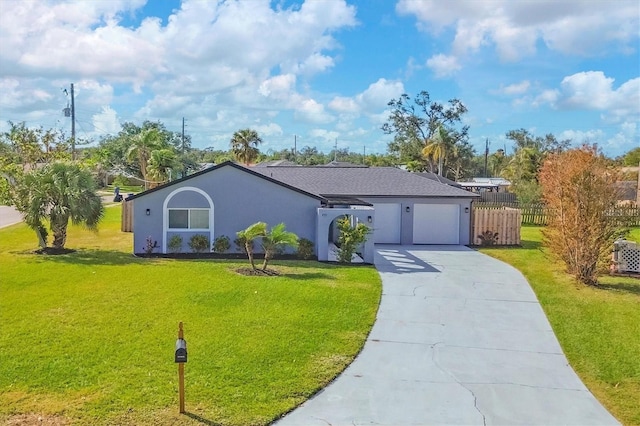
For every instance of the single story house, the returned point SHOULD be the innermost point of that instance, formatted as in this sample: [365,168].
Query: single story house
[399,206]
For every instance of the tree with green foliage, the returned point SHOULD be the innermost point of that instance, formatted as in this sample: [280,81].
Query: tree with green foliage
[29,147]
[579,191]
[140,149]
[438,146]
[631,158]
[57,193]
[350,238]
[244,145]
[530,152]
[161,164]
[274,240]
[249,235]
[414,122]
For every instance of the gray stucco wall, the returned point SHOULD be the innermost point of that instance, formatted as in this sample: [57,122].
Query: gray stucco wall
[406,222]
[239,200]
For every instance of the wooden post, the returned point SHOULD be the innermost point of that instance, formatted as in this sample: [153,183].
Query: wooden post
[181,374]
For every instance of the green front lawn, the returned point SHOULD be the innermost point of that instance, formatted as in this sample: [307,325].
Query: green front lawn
[90,336]
[598,328]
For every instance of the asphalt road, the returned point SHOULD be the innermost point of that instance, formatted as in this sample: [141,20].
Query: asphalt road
[9,216]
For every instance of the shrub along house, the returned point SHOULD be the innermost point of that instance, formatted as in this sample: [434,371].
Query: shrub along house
[400,207]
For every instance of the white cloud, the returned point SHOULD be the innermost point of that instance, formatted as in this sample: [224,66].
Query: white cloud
[344,104]
[271,129]
[106,121]
[372,99]
[312,112]
[514,89]
[592,90]
[443,65]
[578,27]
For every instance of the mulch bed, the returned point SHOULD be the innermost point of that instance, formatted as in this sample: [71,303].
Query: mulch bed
[257,272]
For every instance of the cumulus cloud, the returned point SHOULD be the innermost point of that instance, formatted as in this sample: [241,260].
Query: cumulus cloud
[578,27]
[106,121]
[593,90]
[372,99]
[443,65]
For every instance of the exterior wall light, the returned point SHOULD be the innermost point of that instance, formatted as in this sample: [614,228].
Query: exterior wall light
[148,212]
[408,209]
[369,219]
[466,209]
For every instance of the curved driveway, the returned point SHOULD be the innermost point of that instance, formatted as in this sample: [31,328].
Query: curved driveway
[460,338]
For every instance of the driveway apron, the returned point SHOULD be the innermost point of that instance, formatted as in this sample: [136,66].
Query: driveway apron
[460,338]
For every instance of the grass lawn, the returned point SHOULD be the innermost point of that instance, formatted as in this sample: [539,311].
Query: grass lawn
[598,328]
[88,338]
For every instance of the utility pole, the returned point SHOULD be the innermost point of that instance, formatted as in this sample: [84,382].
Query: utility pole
[486,157]
[73,124]
[364,154]
[335,151]
[183,135]
[295,148]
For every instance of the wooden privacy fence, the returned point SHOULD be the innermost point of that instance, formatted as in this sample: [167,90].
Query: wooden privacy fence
[127,217]
[504,221]
[538,214]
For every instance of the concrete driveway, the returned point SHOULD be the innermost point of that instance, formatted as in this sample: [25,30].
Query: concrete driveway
[460,338]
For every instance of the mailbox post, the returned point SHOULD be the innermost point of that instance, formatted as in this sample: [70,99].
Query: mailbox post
[181,358]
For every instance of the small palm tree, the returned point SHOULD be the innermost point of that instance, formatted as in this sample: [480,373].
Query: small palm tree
[59,192]
[275,239]
[436,147]
[244,145]
[258,229]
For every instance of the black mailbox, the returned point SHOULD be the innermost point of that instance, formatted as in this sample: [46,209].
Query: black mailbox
[181,350]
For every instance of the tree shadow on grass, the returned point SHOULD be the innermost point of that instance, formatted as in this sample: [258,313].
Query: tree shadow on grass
[308,276]
[631,288]
[93,257]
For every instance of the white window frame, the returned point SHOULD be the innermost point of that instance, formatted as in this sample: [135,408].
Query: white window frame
[189,228]
[165,214]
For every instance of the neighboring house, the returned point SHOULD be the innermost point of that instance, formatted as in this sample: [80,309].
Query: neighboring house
[401,207]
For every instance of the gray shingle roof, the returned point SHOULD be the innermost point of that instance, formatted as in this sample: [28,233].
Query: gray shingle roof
[439,178]
[361,182]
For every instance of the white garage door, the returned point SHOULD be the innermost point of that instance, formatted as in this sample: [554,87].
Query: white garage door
[387,226]
[436,224]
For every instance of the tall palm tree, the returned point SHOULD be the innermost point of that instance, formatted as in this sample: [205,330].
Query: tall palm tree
[159,165]
[244,145]
[275,239]
[437,146]
[141,147]
[59,192]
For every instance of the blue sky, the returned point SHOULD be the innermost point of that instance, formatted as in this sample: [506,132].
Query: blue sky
[324,70]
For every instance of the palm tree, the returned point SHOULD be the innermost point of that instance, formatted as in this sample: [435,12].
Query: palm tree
[244,145]
[159,165]
[59,192]
[436,147]
[141,147]
[275,239]
[258,229]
